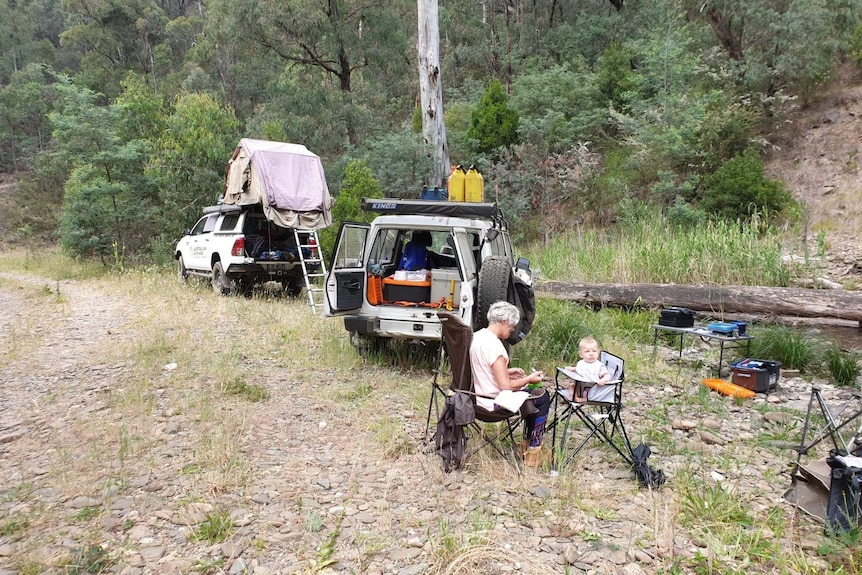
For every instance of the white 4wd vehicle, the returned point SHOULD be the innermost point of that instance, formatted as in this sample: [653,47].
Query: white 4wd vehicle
[236,247]
[471,267]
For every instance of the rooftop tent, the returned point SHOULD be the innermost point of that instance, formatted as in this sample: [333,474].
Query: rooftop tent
[287,180]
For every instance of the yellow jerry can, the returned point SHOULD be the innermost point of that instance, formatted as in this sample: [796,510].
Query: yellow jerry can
[455,185]
[474,185]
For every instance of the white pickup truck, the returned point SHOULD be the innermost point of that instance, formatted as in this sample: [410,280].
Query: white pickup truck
[236,247]
[275,198]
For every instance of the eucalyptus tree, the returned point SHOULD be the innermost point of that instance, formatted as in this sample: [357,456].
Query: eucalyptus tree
[431,92]
[779,45]
[111,37]
[190,157]
[29,33]
[24,104]
[338,44]
[108,202]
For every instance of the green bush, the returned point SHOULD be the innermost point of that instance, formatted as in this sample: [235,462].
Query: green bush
[740,188]
[616,80]
[357,183]
[842,366]
[794,348]
[856,45]
[493,123]
[683,215]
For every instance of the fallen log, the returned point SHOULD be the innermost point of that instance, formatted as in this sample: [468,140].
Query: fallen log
[717,300]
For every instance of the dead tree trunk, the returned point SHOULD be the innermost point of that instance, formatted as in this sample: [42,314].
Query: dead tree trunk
[431,92]
[718,300]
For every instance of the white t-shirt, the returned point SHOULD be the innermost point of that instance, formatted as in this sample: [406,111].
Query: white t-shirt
[592,372]
[484,351]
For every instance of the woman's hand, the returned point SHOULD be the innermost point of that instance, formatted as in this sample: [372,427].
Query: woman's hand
[516,372]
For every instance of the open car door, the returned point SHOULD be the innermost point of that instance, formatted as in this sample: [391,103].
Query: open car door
[467,264]
[345,282]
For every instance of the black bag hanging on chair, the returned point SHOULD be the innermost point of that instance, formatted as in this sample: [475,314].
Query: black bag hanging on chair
[843,510]
[451,441]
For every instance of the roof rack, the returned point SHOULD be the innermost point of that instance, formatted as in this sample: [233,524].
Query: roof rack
[430,208]
[222,209]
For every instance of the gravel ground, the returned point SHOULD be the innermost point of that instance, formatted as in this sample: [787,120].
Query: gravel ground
[87,484]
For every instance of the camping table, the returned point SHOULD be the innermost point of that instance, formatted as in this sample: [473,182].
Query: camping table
[724,341]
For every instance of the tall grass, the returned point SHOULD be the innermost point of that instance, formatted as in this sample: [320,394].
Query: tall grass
[646,249]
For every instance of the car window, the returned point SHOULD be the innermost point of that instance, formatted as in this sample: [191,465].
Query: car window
[385,250]
[228,224]
[501,246]
[199,226]
[209,223]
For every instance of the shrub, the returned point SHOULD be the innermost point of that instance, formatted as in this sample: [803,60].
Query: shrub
[739,188]
[843,366]
[682,215]
[493,124]
[358,183]
[792,347]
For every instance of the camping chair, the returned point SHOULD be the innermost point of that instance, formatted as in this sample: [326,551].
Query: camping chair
[603,419]
[457,337]
[819,486]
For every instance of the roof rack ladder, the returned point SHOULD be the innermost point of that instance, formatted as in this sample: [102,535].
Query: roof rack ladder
[311,260]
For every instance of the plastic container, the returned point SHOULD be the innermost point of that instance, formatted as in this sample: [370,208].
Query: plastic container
[442,287]
[740,326]
[414,292]
[759,375]
[434,194]
[474,186]
[456,184]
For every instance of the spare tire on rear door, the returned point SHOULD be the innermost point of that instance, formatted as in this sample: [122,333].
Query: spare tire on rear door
[493,286]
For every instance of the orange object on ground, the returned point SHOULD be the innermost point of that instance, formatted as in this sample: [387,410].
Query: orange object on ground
[726,388]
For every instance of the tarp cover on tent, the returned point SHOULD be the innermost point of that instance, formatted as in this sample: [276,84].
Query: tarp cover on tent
[286,179]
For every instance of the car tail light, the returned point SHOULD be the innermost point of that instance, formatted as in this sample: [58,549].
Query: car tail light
[238,249]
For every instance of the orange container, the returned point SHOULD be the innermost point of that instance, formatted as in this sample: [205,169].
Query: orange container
[375,290]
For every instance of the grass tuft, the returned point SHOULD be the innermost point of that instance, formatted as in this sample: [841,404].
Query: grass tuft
[249,391]
[216,527]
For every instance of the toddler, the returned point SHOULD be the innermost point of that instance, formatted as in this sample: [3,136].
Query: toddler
[591,372]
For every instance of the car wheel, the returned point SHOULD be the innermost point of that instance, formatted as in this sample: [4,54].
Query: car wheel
[293,286]
[221,283]
[182,271]
[493,287]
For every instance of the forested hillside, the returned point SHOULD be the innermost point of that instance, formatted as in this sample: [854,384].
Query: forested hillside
[117,117]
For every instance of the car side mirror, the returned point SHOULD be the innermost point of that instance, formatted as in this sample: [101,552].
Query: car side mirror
[185,232]
[522,264]
[492,234]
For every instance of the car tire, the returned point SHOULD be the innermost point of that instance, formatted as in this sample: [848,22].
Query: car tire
[220,282]
[493,286]
[293,286]
[182,271]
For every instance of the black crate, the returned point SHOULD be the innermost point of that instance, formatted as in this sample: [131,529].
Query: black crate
[415,292]
[758,375]
[676,317]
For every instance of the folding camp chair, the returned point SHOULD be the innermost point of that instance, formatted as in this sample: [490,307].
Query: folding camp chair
[816,484]
[457,337]
[603,419]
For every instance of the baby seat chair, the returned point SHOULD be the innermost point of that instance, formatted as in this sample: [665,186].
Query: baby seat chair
[457,337]
[602,419]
